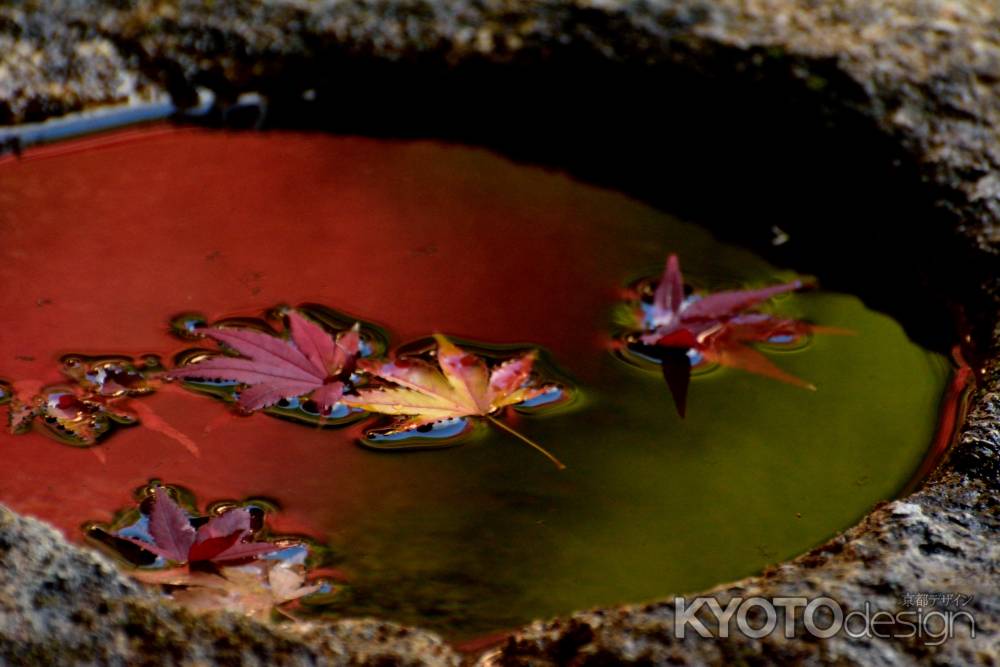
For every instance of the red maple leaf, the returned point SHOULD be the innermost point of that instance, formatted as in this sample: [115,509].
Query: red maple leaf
[718,326]
[273,368]
[690,317]
[223,538]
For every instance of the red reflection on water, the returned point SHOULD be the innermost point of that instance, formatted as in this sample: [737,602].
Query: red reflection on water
[105,239]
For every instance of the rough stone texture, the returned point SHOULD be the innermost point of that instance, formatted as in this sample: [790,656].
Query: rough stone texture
[49,68]
[919,76]
[61,605]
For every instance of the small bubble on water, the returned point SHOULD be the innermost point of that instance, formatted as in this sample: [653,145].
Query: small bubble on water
[186,325]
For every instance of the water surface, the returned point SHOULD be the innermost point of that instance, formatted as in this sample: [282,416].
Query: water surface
[105,241]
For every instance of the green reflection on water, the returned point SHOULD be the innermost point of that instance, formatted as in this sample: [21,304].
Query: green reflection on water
[489,537]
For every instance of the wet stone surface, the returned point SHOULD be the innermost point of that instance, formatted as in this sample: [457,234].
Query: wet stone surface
[926,75]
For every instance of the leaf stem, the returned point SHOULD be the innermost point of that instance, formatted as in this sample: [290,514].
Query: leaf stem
[559,464]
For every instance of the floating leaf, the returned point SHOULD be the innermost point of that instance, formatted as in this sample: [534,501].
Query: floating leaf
[67,414]
[104,395]
[672,312]
[716,327]
[110,377]
[222,538]
[459,385]
[273,368]
[170,528]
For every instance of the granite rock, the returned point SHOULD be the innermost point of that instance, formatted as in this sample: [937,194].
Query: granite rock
[918,81]
[62,605]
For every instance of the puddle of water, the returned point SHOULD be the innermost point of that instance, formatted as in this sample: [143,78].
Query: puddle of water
[104,246]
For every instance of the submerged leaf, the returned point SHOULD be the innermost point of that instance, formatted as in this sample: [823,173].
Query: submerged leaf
[736,355]
[252,590]
[154,422]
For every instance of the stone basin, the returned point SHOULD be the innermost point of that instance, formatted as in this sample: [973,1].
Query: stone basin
[866,129]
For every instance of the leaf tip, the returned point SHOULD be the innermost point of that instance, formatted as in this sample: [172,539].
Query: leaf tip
[445,346]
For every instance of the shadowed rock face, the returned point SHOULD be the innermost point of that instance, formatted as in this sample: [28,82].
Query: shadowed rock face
[867,129]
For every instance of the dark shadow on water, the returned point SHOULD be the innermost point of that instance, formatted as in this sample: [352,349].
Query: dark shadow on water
[752,155]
